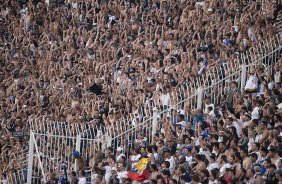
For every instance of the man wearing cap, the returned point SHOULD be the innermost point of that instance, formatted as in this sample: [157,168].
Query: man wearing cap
[119,153]
[271,175]
[80,160]
[114,174]
[279,175]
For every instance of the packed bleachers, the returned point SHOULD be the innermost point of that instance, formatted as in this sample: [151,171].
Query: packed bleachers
[100,68]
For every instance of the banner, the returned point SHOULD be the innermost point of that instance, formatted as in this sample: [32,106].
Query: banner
[141,172]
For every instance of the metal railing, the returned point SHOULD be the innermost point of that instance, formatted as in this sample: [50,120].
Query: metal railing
[91,138]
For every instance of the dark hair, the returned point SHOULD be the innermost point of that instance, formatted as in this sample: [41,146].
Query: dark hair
[224,158]
[150,149]
[73,173]
[82,172]
[167,164]
[245,131]
[206,172]
[237,155]
[181,116]
[195,178]
[174,181]
[199,157]
[166,172]
[273,166]
[154,147]
[214,173]
[154,167]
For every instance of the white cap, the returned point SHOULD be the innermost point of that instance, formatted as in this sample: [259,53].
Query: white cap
[114,169]
[119,149]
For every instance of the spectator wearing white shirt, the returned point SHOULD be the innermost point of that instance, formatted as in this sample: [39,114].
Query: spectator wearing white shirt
[171,160]
[165,98]
[212,163]
[207,104]
[119,153]
[224,165]
[181,122]
[134,158]
[82,178]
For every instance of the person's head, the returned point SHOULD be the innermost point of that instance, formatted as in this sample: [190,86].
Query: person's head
[198,158]
[172,181]
[195,179]
[76,154]
[115,181]
[272,168]
[231,159]
[167,154]
[266,163]
[165,165]
[254,157]
[160,143]
[250,173]
[244,132]
[223,159]
[160,180]
[272,152]
[263,151]
[153,168]
[243,152]
[99,179]
[181,117]
[195,150]
[204,174]
[81,173]
[136,151]
[207,100]
[279,174]
[234,85]
[213,174]
[128,181]
[165,173]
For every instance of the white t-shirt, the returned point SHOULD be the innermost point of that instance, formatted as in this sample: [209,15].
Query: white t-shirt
[213,166]
[189,159]
[165,98]
[207,106]
[223,168]
[108,173]
[172,164]
[135,158]
[255,113]
[82,180]
[122,174]
[182,124]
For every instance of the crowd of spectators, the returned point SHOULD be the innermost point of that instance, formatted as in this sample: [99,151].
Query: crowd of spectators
[101,60]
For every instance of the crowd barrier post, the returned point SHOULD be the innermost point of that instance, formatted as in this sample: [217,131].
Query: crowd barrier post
[77,148]
[243,75]
[200,92]
[155,122]
[30,158]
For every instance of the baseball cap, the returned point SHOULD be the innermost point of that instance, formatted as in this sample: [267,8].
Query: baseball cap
[119,149]
[75,153]
[278,171]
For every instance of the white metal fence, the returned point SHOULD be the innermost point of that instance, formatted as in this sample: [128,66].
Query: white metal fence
[52,143]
